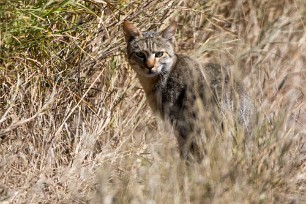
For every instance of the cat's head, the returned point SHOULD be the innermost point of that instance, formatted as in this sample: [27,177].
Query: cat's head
[150,53]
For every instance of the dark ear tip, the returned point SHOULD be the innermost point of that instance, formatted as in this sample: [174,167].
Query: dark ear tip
[130,31]
[174,24]
[126,24]
[170,31]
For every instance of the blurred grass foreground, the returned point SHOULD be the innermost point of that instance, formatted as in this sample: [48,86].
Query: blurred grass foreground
[75,127]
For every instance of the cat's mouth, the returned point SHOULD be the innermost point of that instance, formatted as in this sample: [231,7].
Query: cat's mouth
[151,73]
[146,72]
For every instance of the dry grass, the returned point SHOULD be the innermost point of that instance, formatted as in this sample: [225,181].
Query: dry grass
[75,127]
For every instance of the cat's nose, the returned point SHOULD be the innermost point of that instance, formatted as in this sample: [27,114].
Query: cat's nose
[150,66]
[150,63]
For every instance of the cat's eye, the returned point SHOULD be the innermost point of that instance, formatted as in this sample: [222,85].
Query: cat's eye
[159,54]
[140,55]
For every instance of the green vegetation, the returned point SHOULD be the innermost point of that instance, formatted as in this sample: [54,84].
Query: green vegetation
[75,128]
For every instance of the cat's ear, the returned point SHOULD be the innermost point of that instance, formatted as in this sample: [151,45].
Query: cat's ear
[130,31]
[169,32]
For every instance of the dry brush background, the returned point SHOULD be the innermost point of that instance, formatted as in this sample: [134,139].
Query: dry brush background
[75,128]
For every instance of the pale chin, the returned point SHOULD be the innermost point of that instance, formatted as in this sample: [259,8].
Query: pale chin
[153,74]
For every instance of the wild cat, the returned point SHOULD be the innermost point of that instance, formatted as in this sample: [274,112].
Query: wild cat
[180,90]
